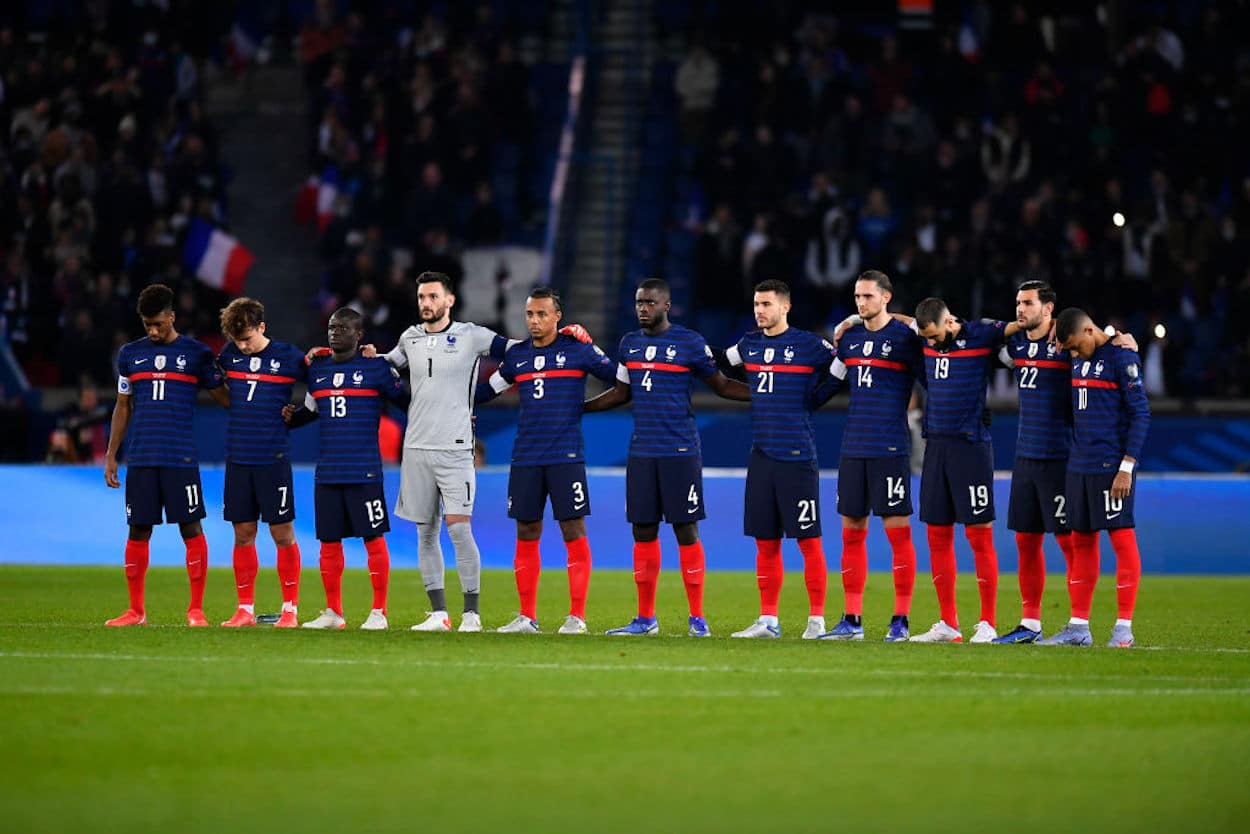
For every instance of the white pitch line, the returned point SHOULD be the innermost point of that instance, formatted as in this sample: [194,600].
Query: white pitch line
[864,693]
[453,664]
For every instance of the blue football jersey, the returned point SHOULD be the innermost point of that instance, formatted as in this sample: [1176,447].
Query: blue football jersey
[551,382]
[659,370]
[349,400]
[879,368]
[782,372]
[956,379]
[260,385]
[163,381]
[1110,411]
[1044,381]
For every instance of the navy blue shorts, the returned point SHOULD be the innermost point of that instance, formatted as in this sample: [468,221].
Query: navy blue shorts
[1090,505]
[529,487]
[174,489]
[881,486]
[957,485]
[263,491]
[668,489]
[1038,504]
[350,511]
[782,498]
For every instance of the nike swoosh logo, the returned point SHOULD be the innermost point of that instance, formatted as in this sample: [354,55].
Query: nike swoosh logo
[806,526]
[694,570]
[522,364]
[140,361]
[579,506]
[1113,515]
[895,503]
[1119,587]
[634,350]
[1076,581]
[377,524]
[752,352]
[852,347]
[321,379]
[978,512]
[238,359]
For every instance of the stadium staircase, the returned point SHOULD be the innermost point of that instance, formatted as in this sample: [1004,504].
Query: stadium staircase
[589,256]
[263,123]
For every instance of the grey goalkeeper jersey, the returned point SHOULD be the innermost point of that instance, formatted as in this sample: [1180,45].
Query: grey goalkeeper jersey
[442,373]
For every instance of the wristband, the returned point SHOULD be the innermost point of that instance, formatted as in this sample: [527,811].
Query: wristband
[1126,466]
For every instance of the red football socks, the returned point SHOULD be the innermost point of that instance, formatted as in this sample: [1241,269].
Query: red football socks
[379,570]
[854,568]
[646,574]
[526,567]
[1127,570]
[1032,574]
[579,575]
[904,568]
[136,562]
[942,563]
[332,575]
[197,569]
[769,574]
[1084,573]
[245,568]
[692,569]
[288,572]
[1069,551]
[815,574]
[982,541]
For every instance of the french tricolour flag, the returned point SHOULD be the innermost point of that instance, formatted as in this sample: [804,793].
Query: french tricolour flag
[216,258]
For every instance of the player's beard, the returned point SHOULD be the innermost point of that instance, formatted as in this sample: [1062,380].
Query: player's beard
[434,315]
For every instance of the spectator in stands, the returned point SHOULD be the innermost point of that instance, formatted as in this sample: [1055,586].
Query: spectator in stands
[697,82]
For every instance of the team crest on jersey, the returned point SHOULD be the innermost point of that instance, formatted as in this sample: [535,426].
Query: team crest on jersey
[337,382]
[1098,368]
[1084,369]
[1131,370]
[452,346]
[451,339]
[159,362]
[560,360]
[961,343]
[181,362]
[670,352]
[788,353]
[867,348]
[358,378]
[886,347]
[274,366]
[540,362]
[1050,349]
[1032,349]
[769,353]
[253,364]
[649,353]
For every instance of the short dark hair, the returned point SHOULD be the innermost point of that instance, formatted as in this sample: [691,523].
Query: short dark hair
[155,300]
[773,285]
[1045,292]
[878,277]
[1069,321]
[658,284]
[429,277]
[930,311]
[349,316]
[241,315]
[548,292]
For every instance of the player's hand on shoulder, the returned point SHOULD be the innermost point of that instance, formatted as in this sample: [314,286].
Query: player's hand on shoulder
[577,332]
[1126,341]
[316,353]
[369,351]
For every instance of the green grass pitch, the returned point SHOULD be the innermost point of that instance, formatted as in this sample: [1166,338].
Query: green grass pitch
[168,729]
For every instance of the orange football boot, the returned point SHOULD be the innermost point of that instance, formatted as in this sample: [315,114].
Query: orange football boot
[195,617]
[130,618]
[241,619]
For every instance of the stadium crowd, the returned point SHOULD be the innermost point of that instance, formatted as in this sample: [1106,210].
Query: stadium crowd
[1103,155]
[416,126]
[106,155]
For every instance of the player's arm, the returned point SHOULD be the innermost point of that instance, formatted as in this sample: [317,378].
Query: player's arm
[618,395]
[1135,404]
[828,384]
[221,394]
[117,431]
[491,388]
[729,362]
[300,415]
[729,389]
[1004,356]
